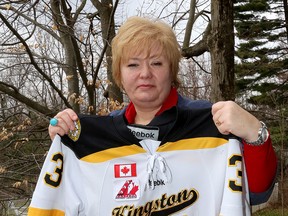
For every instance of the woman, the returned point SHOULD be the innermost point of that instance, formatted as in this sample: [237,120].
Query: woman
[161,155]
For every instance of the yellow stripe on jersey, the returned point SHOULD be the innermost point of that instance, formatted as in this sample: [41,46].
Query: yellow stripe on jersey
[193,144]
[112,153]
[186,144]
[44,212]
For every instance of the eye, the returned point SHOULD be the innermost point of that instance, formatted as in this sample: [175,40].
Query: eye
[132,65]
[157,63]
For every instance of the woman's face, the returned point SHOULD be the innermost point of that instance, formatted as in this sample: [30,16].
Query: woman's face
[147,79]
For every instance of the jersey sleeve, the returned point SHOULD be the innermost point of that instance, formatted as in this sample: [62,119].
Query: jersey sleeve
[261,167]
[52,195]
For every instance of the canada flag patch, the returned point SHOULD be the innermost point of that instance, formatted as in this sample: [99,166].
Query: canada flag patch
[125,170]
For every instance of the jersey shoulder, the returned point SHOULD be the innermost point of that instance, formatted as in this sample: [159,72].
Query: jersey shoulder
[94,134]
[187,103]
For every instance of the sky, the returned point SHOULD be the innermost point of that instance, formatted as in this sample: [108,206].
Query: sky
[159,9]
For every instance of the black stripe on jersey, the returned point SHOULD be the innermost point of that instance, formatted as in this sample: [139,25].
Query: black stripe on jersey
[110,133]
[98,133]
[176,124]
[193,123]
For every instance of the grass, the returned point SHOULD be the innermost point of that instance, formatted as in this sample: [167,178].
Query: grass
[271,212]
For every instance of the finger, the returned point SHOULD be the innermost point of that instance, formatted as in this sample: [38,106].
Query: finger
[51,134]
[53,130]
[217,118]
[72,114]
[224,132]
[222,128]
[66,119]
[217,106]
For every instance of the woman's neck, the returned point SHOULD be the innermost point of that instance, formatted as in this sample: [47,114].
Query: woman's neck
[144,117]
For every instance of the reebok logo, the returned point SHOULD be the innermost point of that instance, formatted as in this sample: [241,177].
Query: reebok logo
[156,183]
[144,132]
[143,135]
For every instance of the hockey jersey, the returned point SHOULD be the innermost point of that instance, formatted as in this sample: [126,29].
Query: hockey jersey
[178,165]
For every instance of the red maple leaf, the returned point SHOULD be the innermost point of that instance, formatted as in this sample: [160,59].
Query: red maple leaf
[134,189]
[125,170]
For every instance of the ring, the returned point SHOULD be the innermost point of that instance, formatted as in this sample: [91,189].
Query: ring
[53,121]
[218,123]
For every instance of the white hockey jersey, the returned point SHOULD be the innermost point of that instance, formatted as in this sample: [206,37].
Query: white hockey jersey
[192,176]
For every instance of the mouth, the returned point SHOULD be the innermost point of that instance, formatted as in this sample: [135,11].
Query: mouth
[145,86]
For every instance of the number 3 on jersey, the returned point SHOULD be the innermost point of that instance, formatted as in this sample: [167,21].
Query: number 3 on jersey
[54,179]
[233,161]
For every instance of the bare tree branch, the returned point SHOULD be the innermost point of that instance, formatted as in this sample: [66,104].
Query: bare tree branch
[13,92]
[33,62]
[34,21]
[189,24]
[199,48]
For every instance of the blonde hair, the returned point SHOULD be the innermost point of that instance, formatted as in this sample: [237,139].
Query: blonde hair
[139,35]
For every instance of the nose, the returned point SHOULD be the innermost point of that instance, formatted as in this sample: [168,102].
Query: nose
[146,71]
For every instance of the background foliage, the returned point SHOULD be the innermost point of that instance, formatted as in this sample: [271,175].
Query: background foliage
[55,54]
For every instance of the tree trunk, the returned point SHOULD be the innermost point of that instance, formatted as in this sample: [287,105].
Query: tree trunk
[285,5]
[106,11]
[221,47]
[66,33]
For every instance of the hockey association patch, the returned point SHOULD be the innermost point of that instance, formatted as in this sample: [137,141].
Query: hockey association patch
[75,134]
[126,190]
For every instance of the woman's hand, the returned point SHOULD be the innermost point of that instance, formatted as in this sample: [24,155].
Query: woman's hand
[229,117]
[65,123]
